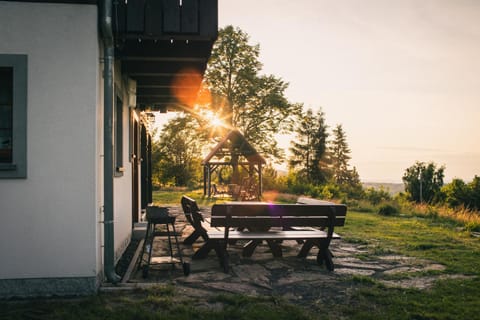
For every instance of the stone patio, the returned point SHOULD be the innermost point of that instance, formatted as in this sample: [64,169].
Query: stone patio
[290,277]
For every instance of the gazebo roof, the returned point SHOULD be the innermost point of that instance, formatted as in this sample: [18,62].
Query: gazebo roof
[238,145]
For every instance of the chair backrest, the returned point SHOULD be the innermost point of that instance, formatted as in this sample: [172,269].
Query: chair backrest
[191,211]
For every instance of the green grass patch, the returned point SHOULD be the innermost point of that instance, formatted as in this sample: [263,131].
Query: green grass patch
[414,236]
[172,197]
[155,304]
[448,299]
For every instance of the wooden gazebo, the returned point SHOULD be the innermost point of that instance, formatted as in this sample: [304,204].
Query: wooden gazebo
[233,150]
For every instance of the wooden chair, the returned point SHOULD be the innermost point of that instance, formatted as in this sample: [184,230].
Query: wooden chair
[195,218]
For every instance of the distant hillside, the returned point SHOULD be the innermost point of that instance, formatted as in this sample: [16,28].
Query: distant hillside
[393,188]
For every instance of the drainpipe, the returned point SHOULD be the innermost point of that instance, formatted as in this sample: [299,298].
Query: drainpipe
[108,56]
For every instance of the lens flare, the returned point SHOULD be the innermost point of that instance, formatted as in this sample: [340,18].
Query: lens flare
[185,86]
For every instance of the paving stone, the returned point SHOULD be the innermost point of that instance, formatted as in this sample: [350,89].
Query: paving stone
[398,258]
[303,277]
[401,270]
[435,267]
[243,288]
[277,264]
[350,249]
[354,272]
[354,263]
[253,273]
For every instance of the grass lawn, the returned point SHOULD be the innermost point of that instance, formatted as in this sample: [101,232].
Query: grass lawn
[432,238]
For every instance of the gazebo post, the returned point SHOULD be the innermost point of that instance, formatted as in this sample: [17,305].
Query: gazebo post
[209,181]
[204,180]
[260,183]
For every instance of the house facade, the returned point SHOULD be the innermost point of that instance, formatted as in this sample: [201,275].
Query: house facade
[75,80]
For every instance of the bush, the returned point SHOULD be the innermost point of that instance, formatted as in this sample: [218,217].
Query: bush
[360,205]
[387,210]
[461,194]
[375,196]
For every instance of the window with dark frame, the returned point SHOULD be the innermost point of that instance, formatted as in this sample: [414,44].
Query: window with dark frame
[6,114]
[119,137]
[13,116]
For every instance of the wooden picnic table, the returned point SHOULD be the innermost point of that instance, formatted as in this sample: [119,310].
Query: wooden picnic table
[310,223]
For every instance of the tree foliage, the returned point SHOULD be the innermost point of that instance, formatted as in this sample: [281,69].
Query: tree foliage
[176,156]
[458,193]
[423,182]
[309,148]
[235,92]
[253,103]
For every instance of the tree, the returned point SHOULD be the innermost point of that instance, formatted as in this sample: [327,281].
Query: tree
[253,103]
[458,193]
[176,156]
[423,182]
[270,178]
[340,155]
[309,148]
[339,152]
[474,187]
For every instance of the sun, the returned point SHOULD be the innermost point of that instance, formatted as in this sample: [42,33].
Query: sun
[217,122]
[213,119]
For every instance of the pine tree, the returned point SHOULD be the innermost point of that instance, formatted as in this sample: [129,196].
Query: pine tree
[340,156]
[309,149]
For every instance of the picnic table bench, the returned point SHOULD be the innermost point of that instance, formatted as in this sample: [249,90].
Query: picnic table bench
[310,222]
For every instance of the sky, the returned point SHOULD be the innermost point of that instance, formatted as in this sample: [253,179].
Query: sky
[402,77]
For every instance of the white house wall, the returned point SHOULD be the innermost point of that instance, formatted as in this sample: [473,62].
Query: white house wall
[49,221]
[122,185]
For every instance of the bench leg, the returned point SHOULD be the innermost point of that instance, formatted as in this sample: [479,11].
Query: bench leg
[203,251]
[275,248]
[193,237]
[325,255]
[222,255]
[250,247]
[224,262]
[307,246]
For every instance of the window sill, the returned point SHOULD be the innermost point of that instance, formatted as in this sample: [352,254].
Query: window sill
[8,167]
[11,171]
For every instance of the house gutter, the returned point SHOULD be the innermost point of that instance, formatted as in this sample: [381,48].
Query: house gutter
[105,21]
